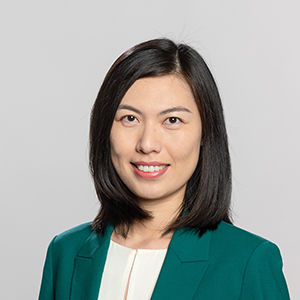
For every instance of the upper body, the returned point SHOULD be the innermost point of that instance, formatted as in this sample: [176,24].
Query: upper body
[226,263]
[159,147]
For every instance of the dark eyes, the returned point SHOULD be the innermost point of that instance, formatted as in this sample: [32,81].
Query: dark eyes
[131,118]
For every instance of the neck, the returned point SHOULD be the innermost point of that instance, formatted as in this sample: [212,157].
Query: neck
[164,212]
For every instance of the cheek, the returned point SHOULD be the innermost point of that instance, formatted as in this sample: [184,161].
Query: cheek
[186,149]
[120,146]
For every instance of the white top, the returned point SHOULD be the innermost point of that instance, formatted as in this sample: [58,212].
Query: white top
[140,267]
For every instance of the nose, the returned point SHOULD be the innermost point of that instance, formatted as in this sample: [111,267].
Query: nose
[149,139]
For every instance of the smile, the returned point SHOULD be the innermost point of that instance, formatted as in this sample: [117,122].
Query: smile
[149,171]
[150,168]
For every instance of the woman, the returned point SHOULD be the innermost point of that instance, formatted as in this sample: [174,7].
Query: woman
[161,167]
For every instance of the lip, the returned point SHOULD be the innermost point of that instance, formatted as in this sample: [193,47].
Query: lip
[149,175]
[150,163]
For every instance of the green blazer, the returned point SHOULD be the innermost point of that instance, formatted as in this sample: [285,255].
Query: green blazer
[227,263]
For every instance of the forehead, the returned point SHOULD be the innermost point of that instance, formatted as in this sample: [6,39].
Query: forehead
[160,90]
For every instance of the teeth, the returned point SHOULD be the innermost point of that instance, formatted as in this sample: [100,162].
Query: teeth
[150,168]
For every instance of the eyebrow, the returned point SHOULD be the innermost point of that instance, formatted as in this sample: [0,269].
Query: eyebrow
[164,112]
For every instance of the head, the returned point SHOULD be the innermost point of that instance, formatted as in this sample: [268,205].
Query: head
[130,123]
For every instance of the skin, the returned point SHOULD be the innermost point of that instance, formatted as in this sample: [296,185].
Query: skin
[173,138]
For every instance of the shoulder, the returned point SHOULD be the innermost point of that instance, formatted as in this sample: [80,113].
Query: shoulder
[256,260]
[237,243]
[70,240]
[75,232]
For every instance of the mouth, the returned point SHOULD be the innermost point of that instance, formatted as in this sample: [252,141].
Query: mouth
[137,166]
[149,174]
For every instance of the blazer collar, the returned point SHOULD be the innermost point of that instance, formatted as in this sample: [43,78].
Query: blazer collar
[183,268]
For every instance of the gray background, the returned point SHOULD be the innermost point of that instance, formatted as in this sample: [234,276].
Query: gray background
[54,55]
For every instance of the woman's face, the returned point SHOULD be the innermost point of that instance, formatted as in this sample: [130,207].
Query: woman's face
[143,133]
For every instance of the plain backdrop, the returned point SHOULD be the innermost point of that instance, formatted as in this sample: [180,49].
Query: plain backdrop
[54,56]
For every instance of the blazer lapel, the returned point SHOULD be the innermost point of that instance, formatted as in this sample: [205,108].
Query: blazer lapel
[183,268]
[89,266]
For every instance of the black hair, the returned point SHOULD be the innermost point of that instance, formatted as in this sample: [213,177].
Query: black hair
[208,192]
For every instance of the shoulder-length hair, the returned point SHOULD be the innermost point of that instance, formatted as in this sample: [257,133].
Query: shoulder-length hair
[208,192]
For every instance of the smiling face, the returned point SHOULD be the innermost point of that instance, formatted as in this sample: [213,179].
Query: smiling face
[143,133]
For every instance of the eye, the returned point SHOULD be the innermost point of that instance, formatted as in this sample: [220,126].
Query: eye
[174,118]
[132,117]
